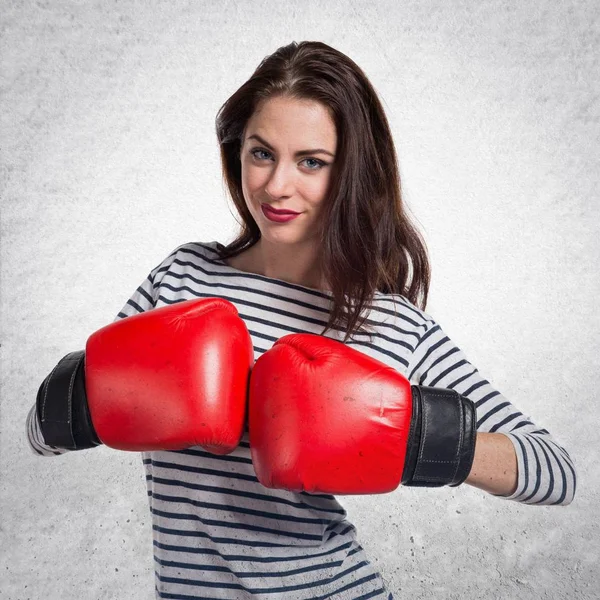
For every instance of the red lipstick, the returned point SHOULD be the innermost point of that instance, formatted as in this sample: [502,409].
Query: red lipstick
[278,216]
[280,211]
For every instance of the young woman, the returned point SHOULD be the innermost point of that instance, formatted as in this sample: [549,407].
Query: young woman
[355,389]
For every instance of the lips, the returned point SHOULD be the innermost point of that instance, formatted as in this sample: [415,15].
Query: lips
[279,211]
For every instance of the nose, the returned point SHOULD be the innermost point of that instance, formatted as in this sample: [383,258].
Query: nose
[281,181]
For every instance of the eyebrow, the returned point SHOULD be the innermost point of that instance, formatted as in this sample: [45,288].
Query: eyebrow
[298,154]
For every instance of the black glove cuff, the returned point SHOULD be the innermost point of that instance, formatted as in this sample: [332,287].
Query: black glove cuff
[62,406]
[441,440]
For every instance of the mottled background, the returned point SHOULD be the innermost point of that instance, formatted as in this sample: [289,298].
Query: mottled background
[109,161]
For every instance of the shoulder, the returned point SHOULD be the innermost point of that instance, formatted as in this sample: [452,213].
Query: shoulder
[187,257]
[206,251]
[210,250]
[397,309]
[189,271]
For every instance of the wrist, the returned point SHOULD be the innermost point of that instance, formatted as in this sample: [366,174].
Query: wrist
[441,441]
[62,406]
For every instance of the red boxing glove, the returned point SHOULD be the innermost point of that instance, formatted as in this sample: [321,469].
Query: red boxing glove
[324,417]
[165,379]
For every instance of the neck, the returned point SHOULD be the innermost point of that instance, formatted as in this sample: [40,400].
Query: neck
[296,263]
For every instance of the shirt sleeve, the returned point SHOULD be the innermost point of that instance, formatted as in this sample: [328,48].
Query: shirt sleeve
[144,298]
[546,472]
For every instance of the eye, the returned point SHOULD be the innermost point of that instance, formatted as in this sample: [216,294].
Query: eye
[312,164]
[320,163]
[255,150]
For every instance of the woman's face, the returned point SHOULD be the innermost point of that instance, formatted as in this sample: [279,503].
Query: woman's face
[286,157]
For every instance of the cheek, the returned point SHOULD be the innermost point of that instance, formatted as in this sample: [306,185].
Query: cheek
[316,190]
[253,178]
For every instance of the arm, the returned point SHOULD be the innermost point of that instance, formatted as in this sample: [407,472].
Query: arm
[495,465]
[35,439]
[544,471]
[140,301]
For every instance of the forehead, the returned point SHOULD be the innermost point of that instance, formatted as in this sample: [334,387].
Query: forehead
[304,120]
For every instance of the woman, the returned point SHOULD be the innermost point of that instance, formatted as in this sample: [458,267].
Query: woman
[325,246]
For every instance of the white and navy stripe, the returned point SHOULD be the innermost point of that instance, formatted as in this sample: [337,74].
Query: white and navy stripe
[217,532]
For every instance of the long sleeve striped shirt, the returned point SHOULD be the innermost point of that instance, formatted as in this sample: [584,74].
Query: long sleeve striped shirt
[218,533]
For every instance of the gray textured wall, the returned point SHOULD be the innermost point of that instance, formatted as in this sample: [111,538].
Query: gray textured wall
[109,161]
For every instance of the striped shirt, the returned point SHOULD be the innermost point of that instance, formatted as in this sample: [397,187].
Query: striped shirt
[218,533]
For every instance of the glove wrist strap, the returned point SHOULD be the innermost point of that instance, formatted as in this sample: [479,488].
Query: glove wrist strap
[62,406]
[441,441]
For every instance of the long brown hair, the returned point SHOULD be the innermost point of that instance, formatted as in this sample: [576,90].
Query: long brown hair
[368,242]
